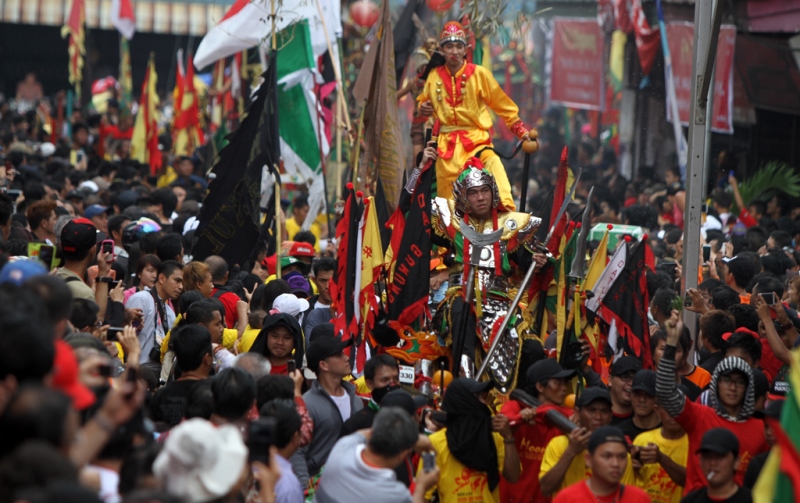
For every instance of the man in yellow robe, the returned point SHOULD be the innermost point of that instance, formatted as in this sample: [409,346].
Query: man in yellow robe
[459,95]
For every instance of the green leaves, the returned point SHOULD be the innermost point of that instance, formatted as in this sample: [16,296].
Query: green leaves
[772,177]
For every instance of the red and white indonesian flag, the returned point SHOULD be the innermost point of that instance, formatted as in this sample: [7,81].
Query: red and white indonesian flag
[123,18]
[246,25]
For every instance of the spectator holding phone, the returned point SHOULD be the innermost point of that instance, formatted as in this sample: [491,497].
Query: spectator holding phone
[79,250]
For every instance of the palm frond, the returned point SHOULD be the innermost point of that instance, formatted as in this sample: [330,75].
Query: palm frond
[772,177]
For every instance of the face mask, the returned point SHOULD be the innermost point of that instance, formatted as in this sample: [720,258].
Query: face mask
[379,393]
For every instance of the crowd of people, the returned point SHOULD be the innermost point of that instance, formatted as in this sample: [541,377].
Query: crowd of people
[132,372]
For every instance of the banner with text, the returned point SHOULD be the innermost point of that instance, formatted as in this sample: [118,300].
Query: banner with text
[576,75]
[681,42]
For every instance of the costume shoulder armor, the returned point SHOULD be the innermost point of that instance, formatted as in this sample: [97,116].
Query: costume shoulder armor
[518,228]
[443,219]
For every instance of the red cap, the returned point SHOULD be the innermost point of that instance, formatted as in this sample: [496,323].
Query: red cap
[270,263]
[65,377]
[299,249]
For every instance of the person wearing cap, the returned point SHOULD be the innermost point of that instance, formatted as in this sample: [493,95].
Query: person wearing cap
[331,400]
[298,283]
[607,460]
[732,399]
[659,456]
[564,463]
[294,224]
[459,95]
[550,384]
[42,218]
[79,250]
[475,448]
[619,385]
[99,216]
[643,399]
[280,341]
[303,252]
[771,413]
[720,458]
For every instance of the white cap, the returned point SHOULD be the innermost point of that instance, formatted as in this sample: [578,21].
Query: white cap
[290,304]
[201,462]
[47,149]
[88,184]
[191,224]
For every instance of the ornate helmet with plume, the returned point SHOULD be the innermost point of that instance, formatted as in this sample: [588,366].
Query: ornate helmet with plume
[453,31]
[473,175]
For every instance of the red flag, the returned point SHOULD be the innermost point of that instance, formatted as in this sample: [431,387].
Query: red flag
[74,30]
[648,38]
[343,288]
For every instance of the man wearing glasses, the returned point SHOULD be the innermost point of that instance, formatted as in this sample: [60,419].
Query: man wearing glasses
[620,386]
[731,407]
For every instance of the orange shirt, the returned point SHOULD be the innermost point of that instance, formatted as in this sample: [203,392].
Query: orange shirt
[700,376]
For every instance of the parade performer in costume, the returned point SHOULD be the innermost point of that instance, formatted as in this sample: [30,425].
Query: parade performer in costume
[460,95]
[484,274]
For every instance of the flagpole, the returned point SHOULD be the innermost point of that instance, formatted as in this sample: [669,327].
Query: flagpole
[338,147]
[336,73]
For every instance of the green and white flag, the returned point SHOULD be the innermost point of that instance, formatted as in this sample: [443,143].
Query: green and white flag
[300,120]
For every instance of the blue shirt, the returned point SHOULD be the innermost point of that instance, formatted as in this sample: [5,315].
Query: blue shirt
[288,489]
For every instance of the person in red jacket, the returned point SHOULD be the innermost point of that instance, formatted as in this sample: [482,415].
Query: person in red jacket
[548,382]
[731,406]
[607,457]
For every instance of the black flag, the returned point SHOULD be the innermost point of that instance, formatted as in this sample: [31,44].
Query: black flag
[410,285]
[229,220]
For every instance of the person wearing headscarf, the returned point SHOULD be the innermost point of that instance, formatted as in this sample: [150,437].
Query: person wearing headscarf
[731,406]
[474,448]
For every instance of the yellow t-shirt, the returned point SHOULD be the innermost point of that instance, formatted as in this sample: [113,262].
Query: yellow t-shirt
[293,228]
[577,470]
[652,477]
[457,483]
[248,338]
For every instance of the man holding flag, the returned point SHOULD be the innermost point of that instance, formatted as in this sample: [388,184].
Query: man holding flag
[490,245]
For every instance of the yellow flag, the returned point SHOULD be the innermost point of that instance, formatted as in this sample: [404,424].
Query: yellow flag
[597,265]
[371,263]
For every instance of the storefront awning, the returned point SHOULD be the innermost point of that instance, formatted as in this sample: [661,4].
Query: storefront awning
[176,18]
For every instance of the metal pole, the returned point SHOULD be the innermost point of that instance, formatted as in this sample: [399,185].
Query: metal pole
[704,54]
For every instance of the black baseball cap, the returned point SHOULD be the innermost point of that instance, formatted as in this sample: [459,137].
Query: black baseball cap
[774,409]
[324,347]
[589,395]
[78,236]
[547,369]
[645,380]
[321,330]
[400,398]
[75,194]
[625,364]
[604,435]
[720,441]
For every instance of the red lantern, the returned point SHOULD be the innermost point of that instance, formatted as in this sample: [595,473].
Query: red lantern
[364,13]
[440,5]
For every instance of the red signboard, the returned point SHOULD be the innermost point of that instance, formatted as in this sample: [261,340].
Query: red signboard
[576,70]
[681,42]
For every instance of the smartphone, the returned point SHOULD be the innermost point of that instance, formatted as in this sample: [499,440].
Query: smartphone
[428,461]
[108,247]
[45,253]
[260,437]
[131,377]
[112,334]
[769,298]
[291,366]
[105,371]
[13,195]
[687,300]
[706,253]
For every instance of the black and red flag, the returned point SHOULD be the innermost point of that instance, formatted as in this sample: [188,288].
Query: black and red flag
[409,280]
[626,302]
[344,288]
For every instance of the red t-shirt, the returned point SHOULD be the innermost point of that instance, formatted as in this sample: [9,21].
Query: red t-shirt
[531,441]
[747,219]
[697,419]
[769,363]
[229,300]
[580,492]
[280,369]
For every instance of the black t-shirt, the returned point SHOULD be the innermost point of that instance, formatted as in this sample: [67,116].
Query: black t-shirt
[617,419]
[701,496]
[631,430]
[694,390]
[361,420]
[169,402]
